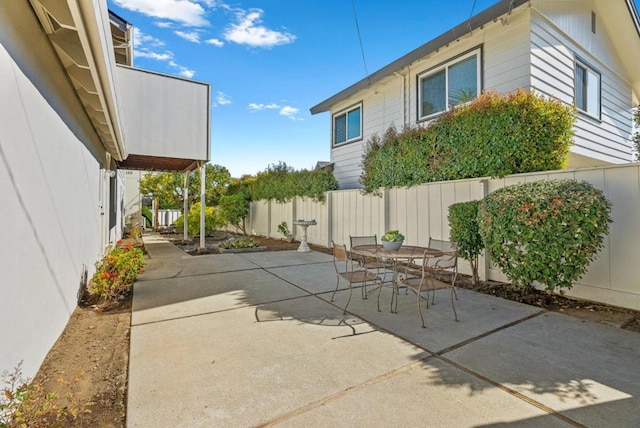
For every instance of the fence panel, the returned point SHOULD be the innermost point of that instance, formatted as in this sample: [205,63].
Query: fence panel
[307,209]
[421,212]
[352,213]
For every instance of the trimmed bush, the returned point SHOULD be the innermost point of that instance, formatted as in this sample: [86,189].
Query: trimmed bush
[283,183]
[545,231]
[493,136]
[212,221]
[465,232]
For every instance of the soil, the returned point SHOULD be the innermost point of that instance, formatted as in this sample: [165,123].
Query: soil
[94,347]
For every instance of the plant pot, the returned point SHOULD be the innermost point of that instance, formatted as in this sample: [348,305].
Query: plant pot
[391,246]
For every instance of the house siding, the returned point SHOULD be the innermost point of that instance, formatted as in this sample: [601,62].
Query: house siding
[560,33]
[51,187]
[382,106]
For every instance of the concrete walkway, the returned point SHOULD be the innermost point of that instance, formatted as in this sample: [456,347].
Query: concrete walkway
[244,340]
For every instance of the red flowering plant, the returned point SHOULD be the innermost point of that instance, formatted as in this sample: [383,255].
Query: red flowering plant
[116,272]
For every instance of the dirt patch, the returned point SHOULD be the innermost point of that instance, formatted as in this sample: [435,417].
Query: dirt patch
[584,309]
[94,347]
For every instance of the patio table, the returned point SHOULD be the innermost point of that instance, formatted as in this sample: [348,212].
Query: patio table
[404,253]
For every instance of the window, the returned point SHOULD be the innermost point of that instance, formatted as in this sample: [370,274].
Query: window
[347,125]
[448,85]
[587,89]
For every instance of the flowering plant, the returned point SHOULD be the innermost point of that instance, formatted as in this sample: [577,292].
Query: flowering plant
[116,272]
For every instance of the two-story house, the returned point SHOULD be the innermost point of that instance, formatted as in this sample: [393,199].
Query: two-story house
[582,52]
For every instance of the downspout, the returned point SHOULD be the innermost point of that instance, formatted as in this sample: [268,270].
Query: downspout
[404,96]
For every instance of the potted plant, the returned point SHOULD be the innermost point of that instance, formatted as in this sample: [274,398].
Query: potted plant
[392,240]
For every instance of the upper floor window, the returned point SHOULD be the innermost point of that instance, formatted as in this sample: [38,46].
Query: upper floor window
[587,89]
[448,85]
[347,125]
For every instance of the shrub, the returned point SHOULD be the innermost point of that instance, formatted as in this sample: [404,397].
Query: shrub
[465,232]
[240,243]
[212,220]
[491,136]
[234,209]
[545,231]
[284,230]
[116,272]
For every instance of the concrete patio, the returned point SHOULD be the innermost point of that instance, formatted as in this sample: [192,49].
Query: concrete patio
[252,340]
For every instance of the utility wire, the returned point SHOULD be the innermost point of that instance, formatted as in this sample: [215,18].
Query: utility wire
[472,9]
[471,15]
[355,17]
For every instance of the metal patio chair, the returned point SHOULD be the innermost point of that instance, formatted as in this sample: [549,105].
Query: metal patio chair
[440,260]
[351,272]
[377,264]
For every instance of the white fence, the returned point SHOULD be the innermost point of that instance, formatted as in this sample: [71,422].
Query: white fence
[167,217]
[421,212]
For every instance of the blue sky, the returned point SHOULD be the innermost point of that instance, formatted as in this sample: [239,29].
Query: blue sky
[269,61]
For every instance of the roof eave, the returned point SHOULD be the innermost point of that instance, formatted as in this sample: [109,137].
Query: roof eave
[455,33]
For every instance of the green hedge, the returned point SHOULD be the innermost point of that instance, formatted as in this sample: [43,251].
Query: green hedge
[545,231]
[283,183]
[492,136]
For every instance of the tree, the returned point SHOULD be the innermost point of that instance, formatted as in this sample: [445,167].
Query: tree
[168,187]
[234,210]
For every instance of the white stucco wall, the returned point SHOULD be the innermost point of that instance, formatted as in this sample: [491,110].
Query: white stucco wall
[51,190]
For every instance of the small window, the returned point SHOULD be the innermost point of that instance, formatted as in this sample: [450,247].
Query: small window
[587,88]
[449,85]
[347,125]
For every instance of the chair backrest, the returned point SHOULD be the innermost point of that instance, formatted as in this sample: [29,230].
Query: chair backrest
[340,252]
[449,258]
[363,240]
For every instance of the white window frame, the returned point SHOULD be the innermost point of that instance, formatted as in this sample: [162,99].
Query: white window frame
[590,72]
[477,52]
[345,113]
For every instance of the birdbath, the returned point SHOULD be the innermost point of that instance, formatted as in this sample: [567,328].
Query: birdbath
[304,247]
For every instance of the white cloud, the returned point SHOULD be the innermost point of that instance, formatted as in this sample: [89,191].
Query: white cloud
[163,24]
[248,31]
[182,70]
[146,53]
[186,72]
[221,99]
[142,39]
[290,112]
[286,111]
[190,36]
[187,12]
[215,42]
[258,107]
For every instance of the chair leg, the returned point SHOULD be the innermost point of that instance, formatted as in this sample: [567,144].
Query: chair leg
[334,291]
[420,298]
[379,291]
[344,312]
[453,292]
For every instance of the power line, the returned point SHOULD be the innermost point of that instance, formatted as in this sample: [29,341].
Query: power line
[355,17]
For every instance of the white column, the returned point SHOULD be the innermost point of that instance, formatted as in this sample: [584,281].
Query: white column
[202,194]
[185,209]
